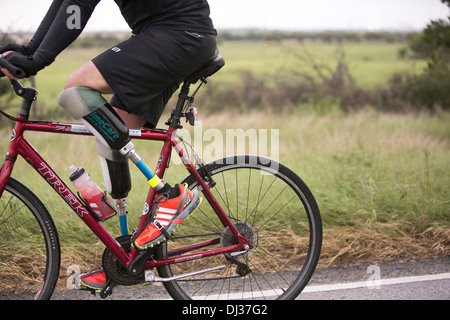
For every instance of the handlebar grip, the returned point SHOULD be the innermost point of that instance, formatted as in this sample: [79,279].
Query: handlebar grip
[17,72]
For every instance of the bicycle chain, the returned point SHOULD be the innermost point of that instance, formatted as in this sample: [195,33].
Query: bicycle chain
[116,272]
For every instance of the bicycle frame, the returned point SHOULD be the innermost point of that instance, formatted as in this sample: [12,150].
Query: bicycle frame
[19,146]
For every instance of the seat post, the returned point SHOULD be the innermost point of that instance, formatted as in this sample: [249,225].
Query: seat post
[177,113]
[206,71]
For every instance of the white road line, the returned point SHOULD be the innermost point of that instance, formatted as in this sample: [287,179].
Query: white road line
[371,284]
[329,287]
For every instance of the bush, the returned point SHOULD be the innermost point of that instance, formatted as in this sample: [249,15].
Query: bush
[430,89]
[325,88]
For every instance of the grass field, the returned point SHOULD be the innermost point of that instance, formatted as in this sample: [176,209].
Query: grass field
[370,63]
[381,180]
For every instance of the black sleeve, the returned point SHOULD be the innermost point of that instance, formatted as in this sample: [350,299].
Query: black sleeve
[60,28]
[44,26]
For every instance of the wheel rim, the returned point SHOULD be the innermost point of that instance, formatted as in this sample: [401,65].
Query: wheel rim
[24,252]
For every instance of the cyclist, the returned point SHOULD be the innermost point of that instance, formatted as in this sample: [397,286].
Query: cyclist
[171,40]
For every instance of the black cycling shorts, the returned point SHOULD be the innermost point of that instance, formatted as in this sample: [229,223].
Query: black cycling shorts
[145,70]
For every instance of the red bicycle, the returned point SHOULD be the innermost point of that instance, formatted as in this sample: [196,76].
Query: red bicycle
[257,236]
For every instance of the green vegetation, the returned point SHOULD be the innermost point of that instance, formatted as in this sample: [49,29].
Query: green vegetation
[431,87]
[371,63]
[287,73]
[381,179]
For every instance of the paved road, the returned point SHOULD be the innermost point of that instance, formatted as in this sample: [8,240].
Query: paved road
[420,279]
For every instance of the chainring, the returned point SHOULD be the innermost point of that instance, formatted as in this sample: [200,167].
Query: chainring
[115,270]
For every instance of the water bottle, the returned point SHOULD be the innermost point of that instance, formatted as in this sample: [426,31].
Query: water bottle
[95,197]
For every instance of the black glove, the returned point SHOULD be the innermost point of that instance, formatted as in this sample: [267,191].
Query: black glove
[25,50]
[23,62]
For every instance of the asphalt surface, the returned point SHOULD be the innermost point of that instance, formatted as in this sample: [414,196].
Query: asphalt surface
[417,279]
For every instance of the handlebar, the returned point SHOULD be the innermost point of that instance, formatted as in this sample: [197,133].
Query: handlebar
[17,72]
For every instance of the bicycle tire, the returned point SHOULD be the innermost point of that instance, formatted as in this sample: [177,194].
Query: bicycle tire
[292,259]
[26,224]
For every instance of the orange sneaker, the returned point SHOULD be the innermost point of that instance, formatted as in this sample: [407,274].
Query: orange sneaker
[94,279]
[171,209]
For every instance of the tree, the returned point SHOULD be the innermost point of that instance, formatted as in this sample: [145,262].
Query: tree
[431,88]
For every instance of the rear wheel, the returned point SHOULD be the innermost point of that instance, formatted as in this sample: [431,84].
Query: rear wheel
[273,209]
[29,246]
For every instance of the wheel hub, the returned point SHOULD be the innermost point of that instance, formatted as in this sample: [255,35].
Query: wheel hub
[247,231]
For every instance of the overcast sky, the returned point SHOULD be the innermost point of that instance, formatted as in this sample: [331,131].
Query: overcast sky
[369,15]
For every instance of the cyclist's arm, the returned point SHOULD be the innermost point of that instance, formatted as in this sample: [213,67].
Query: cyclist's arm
[44,26]
[59,29]
[38,36]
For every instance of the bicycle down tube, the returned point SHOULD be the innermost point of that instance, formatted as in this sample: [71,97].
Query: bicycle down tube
[20,146]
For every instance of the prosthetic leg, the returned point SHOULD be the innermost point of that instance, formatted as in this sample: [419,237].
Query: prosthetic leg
[113,144]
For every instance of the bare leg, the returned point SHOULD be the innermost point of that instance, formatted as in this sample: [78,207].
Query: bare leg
[89,76]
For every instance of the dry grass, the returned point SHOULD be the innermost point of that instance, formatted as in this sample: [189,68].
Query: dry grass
[382,242]
[374,242]
[341,246]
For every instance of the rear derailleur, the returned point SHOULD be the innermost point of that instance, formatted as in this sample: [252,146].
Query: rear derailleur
[242,269]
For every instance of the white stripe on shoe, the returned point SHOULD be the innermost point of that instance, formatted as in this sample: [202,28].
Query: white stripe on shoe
[167,210]
[164,216]
[163,222]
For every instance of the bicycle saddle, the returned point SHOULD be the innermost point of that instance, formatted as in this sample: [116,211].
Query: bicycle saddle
[207,70]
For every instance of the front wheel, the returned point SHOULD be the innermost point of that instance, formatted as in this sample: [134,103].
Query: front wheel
[29,246]
[272,208]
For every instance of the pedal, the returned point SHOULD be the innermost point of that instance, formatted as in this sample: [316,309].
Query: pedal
[90,290]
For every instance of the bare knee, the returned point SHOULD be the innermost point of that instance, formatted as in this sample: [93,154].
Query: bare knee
[72,81]
[88,76]
[78,78]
